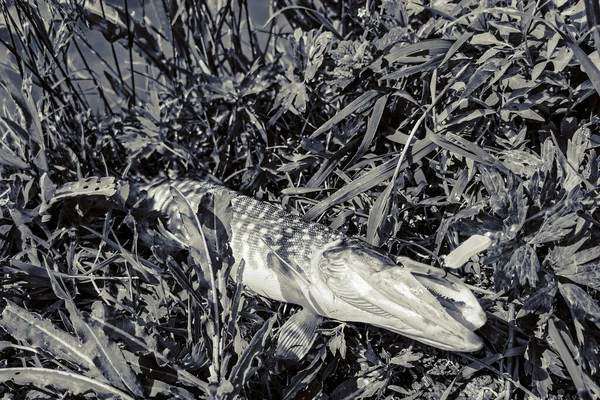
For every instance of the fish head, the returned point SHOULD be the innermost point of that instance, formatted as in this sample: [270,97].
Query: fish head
[357,283]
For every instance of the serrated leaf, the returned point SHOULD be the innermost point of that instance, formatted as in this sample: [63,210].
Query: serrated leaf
[576,265]
[561,256]
[542,299]
[517,212]
[315,50]
[521,162]
[42,333]
[581,304]
[586,274]
[302,381]
[537,367]
[576,151]
[495,186]
[34,130]
[362,387]
[522,266]
[139,143]
[132,334]
[243,370]
[338,344]
[107,355]
[406,358]
[61,380]
[554,229]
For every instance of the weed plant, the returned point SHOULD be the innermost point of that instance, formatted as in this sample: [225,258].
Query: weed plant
[411,124]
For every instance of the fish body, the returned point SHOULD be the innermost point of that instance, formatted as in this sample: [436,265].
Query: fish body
[330,274]
[263,235]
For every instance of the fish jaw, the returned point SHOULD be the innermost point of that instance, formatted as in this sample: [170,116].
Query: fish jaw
[457,299]
[442,322]
[352,282]
[453,294]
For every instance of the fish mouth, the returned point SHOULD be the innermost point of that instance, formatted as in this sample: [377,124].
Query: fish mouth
[452,293]
[355,283]
[448,312]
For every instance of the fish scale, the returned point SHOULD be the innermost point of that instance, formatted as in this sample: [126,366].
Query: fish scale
[262,234]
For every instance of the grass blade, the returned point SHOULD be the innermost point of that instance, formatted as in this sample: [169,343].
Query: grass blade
[375,177]
[361,102]
[562,343]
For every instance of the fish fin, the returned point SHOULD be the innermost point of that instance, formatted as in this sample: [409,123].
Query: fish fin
[297,335]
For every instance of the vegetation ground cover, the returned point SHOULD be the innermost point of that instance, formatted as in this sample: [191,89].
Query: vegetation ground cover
[411,124]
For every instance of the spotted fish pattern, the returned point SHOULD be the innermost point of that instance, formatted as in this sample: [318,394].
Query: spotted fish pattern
[324,271]
[262,233]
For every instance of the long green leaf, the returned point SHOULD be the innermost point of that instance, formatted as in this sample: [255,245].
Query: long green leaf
[460,147]
[61,380]
[588,65]
[107,355]
[455,46]
[434,47]
[242,370]
[561,341]
[372,126]
[204,268]
[186,378]
[370,179]
[357,104]
[38,332]
[415,69]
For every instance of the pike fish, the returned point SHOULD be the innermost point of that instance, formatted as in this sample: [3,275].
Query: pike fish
[332,275]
